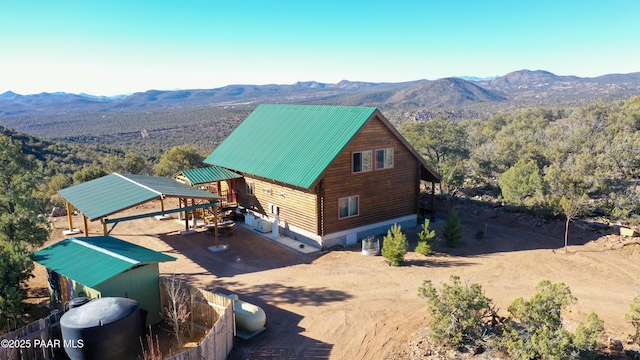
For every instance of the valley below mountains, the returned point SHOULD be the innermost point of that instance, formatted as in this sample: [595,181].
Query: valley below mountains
[522,87]
[153,121]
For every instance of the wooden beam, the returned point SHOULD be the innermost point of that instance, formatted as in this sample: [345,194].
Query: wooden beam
[186,215]
[171,211]
[193,212]
[69,216]
[86,225]
[215,224]
[104,227]
[417,203]
[433,199]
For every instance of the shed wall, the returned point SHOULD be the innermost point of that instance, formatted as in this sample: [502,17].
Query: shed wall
[140,284]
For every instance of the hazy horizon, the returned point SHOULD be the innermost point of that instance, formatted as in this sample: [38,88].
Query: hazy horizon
[122,47]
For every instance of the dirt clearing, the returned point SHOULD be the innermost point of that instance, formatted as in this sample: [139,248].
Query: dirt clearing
[344,305]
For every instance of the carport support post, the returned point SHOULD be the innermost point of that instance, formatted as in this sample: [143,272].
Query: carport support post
[69,216]
[186,215]
[215,223]
[104,227]
[86,225]
[433,199]
[193,213]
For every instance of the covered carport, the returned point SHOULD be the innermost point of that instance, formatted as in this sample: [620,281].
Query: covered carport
[102,197]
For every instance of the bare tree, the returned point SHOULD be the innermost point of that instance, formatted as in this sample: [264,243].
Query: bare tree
[176,312]
[571,205]
[152,352]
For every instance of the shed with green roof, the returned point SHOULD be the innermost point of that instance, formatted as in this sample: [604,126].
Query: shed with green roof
[327,174]
[100,266]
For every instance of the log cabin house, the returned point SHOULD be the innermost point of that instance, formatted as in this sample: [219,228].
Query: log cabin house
[327,175]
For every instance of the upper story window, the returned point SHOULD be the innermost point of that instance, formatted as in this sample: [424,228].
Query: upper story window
[249,188]
[349,206]
[361,161]
[384,158]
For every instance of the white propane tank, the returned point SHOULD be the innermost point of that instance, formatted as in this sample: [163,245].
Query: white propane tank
[249,317]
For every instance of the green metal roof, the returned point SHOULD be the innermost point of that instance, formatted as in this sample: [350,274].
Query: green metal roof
[293,144]
[93,260]
[116,192]
[208,174]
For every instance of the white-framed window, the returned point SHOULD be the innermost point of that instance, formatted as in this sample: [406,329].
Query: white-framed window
[361,161]
[384,158]
[349,206]
[266,191]
[250,187]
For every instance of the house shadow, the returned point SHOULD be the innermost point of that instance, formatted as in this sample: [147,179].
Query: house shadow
[282,338]
[246,252]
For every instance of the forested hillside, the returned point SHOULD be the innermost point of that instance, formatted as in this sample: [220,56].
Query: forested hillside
[56,157]
[149,133]
[539,158]
[549,161]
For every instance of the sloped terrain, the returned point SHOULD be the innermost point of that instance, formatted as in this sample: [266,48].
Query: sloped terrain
[344,305]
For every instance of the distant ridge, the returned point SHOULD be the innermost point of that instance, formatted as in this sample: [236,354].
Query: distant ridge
[521,86]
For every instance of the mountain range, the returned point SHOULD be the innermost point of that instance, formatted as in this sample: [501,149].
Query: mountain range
[522,87]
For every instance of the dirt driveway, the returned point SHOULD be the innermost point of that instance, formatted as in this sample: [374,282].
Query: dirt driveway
[344,305]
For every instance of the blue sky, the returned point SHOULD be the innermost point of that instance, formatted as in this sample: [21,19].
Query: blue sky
[116,47]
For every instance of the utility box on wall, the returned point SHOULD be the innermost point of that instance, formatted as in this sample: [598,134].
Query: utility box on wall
[262,226]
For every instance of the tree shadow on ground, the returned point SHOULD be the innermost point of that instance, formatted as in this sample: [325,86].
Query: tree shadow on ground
[487,229]
[435,262]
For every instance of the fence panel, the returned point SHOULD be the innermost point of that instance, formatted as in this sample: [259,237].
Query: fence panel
[38,340]
[213,311]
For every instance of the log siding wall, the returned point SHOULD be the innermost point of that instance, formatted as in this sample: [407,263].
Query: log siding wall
[384,194]
[298,207]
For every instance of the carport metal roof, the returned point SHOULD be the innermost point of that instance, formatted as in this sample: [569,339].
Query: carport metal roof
[96,259]
[110,194]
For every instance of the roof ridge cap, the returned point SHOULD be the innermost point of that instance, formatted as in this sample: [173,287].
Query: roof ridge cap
[137,183]
[105,251]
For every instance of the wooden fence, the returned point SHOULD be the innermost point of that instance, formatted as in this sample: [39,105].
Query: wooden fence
[39,340]
[208,311]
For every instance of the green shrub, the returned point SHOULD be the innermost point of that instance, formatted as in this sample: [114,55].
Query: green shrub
[522,183]
[586,336]
[395,246]
[457,312]
[16,267]
[633,316]
[452,232]
[426,238]
[535,330]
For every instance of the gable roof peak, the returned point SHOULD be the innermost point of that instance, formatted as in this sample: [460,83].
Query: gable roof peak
[293,144]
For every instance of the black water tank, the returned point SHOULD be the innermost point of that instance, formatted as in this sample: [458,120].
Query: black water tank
[105,328]
[77,302]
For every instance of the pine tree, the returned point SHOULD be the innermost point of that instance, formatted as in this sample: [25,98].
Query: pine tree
[425,239]
[395,246]
[452,232]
